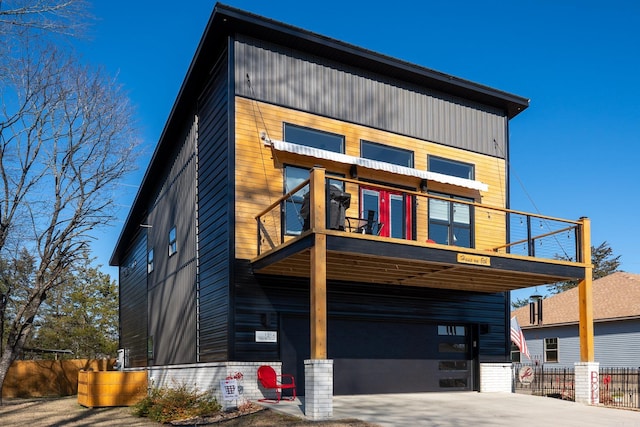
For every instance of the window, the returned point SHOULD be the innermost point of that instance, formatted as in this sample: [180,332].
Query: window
[452,365]
[454,330]
[173,246]
[551,349]
[150,261]
[313,138]
[293,220]
[450,223]
[515,353]
[452,382]
[294,176]
[451,167]
[385,153]
[391,212]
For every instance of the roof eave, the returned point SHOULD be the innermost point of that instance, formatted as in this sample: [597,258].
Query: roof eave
[226,20]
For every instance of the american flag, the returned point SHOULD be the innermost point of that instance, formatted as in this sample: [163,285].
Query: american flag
[518,337]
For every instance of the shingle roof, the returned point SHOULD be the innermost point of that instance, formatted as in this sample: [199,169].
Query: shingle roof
[615,296]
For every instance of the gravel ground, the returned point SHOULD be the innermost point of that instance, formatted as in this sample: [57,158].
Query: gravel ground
[65,411]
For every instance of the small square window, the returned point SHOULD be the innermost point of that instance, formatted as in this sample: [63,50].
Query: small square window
[150,261]
[173,246]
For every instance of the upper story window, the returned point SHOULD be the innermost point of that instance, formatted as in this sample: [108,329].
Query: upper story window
[294,216]
[385,153]
[451,167]
[150,261]
[293,220]
[451,223]
[313,138]
[173,245]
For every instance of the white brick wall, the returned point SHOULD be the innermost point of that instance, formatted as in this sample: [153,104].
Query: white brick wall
[587,383]
[207,376]
[496,377]
[318,387]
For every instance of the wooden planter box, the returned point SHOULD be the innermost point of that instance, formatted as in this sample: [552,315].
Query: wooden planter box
[111,388]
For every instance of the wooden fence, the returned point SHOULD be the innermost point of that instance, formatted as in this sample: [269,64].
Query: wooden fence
[48,378]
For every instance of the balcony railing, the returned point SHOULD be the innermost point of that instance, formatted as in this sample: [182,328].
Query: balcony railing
[495,229]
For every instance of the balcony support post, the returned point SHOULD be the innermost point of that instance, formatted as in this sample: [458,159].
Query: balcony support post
[318,373]
[585,295]
[318,303]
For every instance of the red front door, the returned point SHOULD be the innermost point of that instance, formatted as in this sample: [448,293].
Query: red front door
[392,212]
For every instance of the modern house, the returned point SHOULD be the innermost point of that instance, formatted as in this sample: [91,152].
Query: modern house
[336,213]
[616,317]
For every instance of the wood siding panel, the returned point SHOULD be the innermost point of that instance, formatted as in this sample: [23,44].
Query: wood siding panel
[259,173]
[214,212]
[317,85]
[133,302]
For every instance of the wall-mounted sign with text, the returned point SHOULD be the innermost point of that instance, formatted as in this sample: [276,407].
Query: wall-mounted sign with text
[266,336]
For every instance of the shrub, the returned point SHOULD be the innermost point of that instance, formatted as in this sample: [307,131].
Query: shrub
[170,404]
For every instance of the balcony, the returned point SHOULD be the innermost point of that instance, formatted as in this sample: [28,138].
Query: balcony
[502,249]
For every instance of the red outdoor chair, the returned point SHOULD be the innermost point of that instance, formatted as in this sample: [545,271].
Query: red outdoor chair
[269,380]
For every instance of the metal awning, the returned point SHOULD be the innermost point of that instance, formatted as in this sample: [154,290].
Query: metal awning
[317,153]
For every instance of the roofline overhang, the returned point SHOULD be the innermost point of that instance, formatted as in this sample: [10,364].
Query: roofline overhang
[225,21]
[577,323]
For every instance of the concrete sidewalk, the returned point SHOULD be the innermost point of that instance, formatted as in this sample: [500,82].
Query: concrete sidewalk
[469,409]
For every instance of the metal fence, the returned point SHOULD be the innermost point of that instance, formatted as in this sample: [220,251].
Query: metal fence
[540,380]
[619,387]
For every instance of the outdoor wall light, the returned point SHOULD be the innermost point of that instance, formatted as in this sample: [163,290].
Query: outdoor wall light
[353,172]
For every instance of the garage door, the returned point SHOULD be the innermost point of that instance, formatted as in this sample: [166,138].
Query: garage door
[384,356]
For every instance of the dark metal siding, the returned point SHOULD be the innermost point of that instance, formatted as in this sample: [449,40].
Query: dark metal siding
[215,213]
[172,296]
[133,302]
[309,83]
[261,301]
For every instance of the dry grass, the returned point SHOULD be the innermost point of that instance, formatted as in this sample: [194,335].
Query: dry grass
[253,415]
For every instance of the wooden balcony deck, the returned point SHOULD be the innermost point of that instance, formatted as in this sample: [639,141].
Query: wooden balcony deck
[371,259]
[355,257]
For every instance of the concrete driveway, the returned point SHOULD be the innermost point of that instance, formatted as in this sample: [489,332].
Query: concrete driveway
[469,409]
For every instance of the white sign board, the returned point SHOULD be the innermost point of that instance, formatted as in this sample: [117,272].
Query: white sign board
[266,336]
[229,389]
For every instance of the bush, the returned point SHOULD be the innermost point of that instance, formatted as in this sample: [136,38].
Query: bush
[170,404]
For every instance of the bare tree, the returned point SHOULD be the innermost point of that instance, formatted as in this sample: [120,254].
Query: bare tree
[59,16]
[66,138]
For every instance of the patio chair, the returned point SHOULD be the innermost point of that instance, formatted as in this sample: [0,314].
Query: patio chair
[271,381]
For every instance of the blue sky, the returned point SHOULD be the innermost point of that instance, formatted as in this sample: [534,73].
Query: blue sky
[573,151]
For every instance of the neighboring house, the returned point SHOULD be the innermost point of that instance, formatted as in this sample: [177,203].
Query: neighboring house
[616,318]
[395,276]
